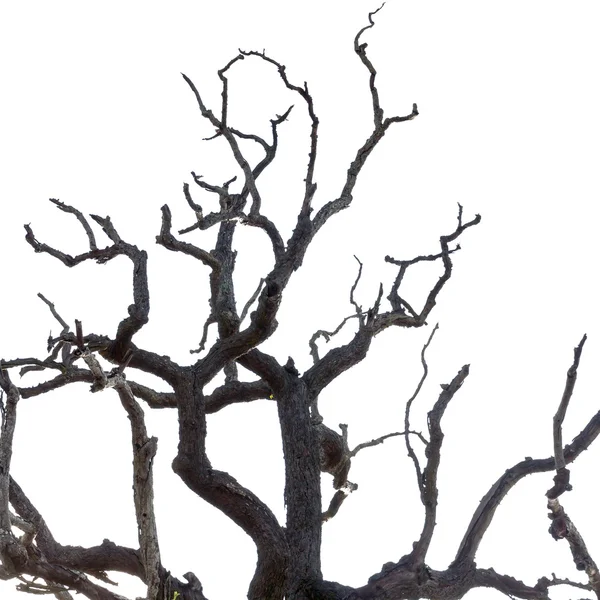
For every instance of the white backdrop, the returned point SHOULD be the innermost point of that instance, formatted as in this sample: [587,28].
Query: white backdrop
[94,112]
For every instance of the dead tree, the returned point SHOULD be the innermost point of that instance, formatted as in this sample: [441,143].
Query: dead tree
[288,562]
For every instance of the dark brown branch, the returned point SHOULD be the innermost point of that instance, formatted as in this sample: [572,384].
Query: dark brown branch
[106,557]
[429,491]
[359,311]
[37,587]
[166,239]
[251,300]
[563,527]
[397,316]
[232,204]
[264,366]
[337,361]
[50,305]
[381,439]
[108,228]
[487,507]
[310,185]
[159,365]
[144,450]
[221,126]
[100,256]
[13,554]
[345,198]
[138,311]
[153,398]
[409,448]
[262,222]
[544,583]
[314,350]
[63,565]
[361,51]
[561,479]
[222,491]
[236,392]
[86,226]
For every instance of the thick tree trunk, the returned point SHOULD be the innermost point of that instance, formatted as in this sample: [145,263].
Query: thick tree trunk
[302,484]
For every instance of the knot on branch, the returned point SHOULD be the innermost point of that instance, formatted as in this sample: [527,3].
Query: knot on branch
[559,528]
[561,484]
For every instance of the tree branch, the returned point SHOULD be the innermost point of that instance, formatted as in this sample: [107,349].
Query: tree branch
[487,507]
[409,448]
[138,311]
[13,554]
[429,491]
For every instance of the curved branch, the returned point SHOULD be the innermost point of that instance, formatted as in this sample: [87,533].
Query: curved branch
[225,493]
[361,51]
[487,507]
[310,185]
[236,392]
[409,448]
[168,240]
[429,491]
[106,557]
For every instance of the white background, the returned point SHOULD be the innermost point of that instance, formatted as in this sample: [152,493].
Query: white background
[93,111]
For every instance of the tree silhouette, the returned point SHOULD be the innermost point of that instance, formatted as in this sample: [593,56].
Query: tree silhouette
[288,556]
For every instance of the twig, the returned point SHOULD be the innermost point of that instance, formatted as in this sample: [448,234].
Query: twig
[209,321]
[353,289]
[381,439]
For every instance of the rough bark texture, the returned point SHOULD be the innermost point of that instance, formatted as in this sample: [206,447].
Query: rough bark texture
[289,557]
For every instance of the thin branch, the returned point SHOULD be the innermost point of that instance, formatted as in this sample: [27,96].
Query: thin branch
[429,491]
[221,126]
[409,448]
[314,350]
[209,321]
[489,503]
[86,226]
[345,198]
[562,526]
[561,479]
[251,300]
[398,317]
[360,314]
[360,50]
[381,439]
[168,240]
[138,311]
[65,327]
[359,311]
[310,185]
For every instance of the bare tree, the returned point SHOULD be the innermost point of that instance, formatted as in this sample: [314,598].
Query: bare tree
[289,557]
